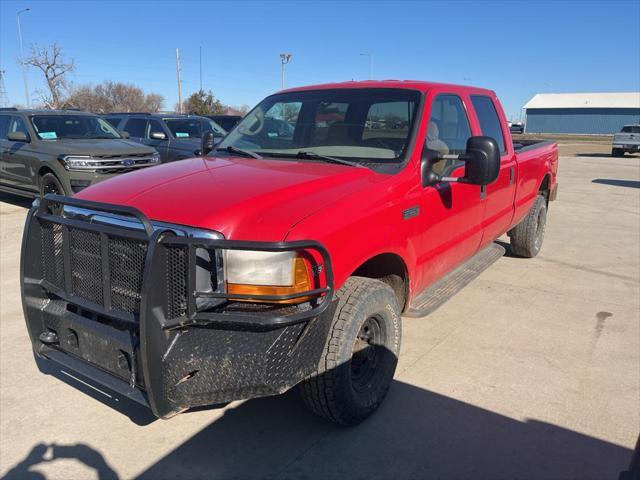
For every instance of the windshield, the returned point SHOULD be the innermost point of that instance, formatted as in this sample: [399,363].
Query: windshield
[192,127]
[53,127]
[367,124]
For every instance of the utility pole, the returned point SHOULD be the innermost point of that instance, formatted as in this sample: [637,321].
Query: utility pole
[4,100]
[179,85]
[200,68]
[24,68]
[284,59]
[370,64]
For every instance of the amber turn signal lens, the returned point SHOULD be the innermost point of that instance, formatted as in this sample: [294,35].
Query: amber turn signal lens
[301,283]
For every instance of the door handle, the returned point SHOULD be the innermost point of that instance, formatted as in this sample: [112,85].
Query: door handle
[511,175]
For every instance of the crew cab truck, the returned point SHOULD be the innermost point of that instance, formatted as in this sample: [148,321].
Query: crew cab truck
[626,140]
[63,151]
[284,256]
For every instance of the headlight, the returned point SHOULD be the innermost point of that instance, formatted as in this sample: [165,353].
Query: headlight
[249,272]
[77,162]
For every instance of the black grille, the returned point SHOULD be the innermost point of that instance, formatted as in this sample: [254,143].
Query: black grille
[52,255]
[176,272]
[126,264]
[86,264]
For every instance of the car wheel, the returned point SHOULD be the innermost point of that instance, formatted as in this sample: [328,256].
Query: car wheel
[617,152]
[360,356]
[49,183]
[526,237]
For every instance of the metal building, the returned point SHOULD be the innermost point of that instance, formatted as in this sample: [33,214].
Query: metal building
[586,113]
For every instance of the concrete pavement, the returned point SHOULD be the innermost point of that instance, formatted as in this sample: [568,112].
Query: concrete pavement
[532,371]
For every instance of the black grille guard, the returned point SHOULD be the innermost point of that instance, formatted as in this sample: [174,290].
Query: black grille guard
[153,325]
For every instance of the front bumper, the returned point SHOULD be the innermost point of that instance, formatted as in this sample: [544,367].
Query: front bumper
[156,347]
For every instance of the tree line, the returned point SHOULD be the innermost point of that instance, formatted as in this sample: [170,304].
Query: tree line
[108,96]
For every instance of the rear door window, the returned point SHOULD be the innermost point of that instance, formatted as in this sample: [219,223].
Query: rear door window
[489,120]
[136,127]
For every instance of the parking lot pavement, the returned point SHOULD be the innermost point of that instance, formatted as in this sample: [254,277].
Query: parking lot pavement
[532,371]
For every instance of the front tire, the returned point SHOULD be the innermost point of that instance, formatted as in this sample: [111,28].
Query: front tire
[527,237]
[360,356]
[49,183]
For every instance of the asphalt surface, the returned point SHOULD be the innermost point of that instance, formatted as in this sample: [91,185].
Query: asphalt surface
[532,371]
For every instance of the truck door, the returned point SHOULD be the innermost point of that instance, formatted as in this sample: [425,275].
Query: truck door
[451,212]
[500,195]
[18,158]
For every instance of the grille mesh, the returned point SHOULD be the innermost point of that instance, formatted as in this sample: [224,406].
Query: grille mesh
[52,255]
[86,264]
[126,264]
[176,281]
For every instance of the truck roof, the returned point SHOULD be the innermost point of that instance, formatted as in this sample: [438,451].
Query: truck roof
[45,111]
[419,85]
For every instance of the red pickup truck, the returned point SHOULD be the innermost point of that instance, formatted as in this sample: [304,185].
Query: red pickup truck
[289,253]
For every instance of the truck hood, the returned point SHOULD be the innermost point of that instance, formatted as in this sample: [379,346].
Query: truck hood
[244,199]
[97,147]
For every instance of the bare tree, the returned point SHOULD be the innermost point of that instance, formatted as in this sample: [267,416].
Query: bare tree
[114,97]
[50,62]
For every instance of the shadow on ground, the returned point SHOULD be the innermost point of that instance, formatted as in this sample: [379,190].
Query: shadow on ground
[41,454]
[416,434]
[617,183]
[15,200]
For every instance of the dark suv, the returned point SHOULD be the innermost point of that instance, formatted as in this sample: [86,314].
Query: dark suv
[63,151]
[174,136]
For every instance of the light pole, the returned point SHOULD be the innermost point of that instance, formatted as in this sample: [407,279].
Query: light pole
[284,59]
[370,64]
[24,70]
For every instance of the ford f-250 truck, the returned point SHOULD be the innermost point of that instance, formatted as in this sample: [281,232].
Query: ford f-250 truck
[285,256]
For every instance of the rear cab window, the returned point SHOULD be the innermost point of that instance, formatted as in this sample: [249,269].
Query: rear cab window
[489,120]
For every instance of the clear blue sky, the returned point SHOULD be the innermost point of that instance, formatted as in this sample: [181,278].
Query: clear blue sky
[515,48]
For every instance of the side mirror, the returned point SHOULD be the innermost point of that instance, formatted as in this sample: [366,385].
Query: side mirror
[18,137]
[158,136]
[207,143]
[124,134]
[482,161]
[481,158]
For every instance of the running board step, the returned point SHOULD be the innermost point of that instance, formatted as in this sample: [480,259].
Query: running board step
[445,288]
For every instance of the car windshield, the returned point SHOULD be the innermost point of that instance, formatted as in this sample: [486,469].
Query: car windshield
[192,127]
[53,127]
[357,124]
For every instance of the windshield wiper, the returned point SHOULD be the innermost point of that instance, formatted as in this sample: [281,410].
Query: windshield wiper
[317,156]
[239,151]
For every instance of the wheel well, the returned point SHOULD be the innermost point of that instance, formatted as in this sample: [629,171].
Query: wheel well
[391,269]
[544,187]
[44,170]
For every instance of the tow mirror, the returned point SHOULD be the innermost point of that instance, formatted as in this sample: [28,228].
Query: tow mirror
[158,136]
[208,142]
[18,137]
[481,159]
[124,134]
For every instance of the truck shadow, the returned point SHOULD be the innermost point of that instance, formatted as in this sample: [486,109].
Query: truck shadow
[617,183]
[41,454]
[415,434]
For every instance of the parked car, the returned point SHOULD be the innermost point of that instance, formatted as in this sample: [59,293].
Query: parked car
[174,136]
[61,151]
[226,121]
[516,128]
[285,260]
[626,141]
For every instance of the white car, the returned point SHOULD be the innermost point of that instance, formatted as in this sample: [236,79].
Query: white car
[627,140]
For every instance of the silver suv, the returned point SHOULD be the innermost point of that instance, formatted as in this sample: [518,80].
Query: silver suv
[626,141]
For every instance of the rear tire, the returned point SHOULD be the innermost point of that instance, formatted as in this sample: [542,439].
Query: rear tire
[617,152]
[528,235]
[360,356]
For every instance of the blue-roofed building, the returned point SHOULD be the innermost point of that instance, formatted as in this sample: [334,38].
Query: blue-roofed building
[581,113]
